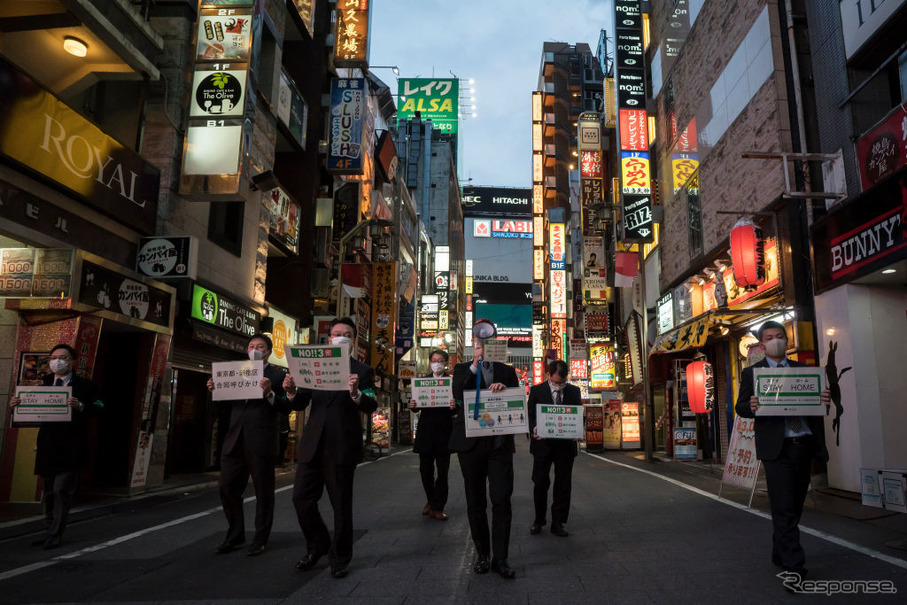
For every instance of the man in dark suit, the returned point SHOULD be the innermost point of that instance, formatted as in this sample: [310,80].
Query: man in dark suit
[62,447]
[250,448]
[485,459]
[330,449]
[432,436]
[545,452]
[786,445]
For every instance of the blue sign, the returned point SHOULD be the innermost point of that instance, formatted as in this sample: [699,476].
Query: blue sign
[346,126]
[558,265]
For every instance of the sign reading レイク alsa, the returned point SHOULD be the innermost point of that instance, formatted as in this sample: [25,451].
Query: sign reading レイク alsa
[43,133]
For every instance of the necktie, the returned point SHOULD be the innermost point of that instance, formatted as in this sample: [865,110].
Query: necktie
[58,382]
[558,397]
[794,423]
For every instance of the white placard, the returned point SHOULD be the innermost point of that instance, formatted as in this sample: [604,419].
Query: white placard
[43,404]
[559,421]
[495,350]
[237,379]
[501,413]
[432,392]
[741,466]
[319,367]
[789,391]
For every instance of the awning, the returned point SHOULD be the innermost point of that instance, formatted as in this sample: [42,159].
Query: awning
[688,336]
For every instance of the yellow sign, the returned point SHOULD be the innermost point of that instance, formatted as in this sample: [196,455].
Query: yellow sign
[351,40]
[469,284]
[683,165]
[636,177]
[689,336]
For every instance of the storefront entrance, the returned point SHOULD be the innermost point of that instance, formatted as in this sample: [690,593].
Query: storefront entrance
[195,424]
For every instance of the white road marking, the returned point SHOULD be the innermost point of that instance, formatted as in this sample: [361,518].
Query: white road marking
[813,532]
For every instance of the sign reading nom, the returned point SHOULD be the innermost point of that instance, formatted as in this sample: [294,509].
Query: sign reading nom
[436,99]
[223,312]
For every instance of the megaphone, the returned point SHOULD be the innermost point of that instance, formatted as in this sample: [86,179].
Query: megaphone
[484,328]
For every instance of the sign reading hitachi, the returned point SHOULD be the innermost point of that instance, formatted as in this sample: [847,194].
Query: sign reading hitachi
[496,201]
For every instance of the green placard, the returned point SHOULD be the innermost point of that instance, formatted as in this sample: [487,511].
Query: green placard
[436,99]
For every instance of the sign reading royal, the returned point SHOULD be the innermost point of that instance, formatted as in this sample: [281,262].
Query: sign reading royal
[223,312]
[43,133]
[497,201]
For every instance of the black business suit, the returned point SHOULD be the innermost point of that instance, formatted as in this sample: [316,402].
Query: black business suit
[250,449]
[787,469]
[432,437]
[330,449]
[62,452]
[484,459]
[545,452]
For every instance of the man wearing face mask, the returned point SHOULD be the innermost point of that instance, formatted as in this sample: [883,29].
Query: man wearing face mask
[250,449]
[432,435]
[545,452]
[485,460]
[330,449]
[62,447]
[786,445]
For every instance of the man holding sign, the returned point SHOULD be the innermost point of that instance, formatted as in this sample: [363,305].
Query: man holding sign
[551,444]
[62,445]
[786,445]
[485,459]
[251,444]
[331,444]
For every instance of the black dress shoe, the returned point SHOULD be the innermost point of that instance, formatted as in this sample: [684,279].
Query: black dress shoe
[340,571]
[52,542]
[256,549]
[226,547]
[308,561]
[38,542]
[481,564]
[558,530]
[535,529]
[502,568]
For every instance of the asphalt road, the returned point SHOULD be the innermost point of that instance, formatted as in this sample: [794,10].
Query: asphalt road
[635,538]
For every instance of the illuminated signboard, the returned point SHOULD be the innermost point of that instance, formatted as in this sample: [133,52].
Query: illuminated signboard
[537,106]
[589,131]
[351,39]
[436,99]
[683,166]
[481,229]
[558,336]
[538,200]
[539,231]
[346,145]
[538,172]
[590,164]
[512,229]
[556,234]
[602,361]
[538,264]
[579,369]
[635,176]
[633,130]
[538,370]
[558,293]
[536,137]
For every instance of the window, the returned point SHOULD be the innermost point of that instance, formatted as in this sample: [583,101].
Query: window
[694,211]
[902,75]
[225,225]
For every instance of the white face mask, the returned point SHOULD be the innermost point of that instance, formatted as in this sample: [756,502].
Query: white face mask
[340,340]
[256,354]
[59,366]
[556,387]
[437,368]
[776,347]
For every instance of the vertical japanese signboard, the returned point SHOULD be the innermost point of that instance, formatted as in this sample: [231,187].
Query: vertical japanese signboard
[435,99]
[636,189]
[602,361]
[558,273]
[352,36]
[218,99]
[346,145]
[384,317]
[591,168]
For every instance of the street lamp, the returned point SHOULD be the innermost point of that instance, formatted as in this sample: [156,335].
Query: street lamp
[393,68]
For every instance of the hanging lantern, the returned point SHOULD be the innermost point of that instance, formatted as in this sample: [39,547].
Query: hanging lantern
[700,387]
[747,253]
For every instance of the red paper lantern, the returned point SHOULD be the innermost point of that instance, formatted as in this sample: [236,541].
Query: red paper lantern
[701,387]
[747,253]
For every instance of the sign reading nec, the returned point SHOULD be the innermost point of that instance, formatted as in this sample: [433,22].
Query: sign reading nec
[521,229]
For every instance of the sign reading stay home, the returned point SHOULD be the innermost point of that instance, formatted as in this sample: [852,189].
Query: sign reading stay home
[320,368]
[436,99]
[789,391]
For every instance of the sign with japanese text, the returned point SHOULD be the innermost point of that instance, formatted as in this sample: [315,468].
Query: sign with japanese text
[789,391]
[684,443]
[590,163]
[883,150]
[346,126]
[306,10]
[602,361]
[594,426]
[170,256]
[556,242]
[495,350]
[595,284]
[36,272]
[637,218]
[284,219]
[501,413]
[352,35]
[43,404]
[741,466]
[237,380]
[629,424]
[112,291]
[689,336]
[558,299]
[320,368]
[559,337]
[635,175]
[224,34]
[683,166]
[579,369]
[436,99]
[559,421]
[432,392]
[223,312]
[597,327]
[384,317]
[283,332]
[220,92]
[292,110]
[634,133]
[589,131]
